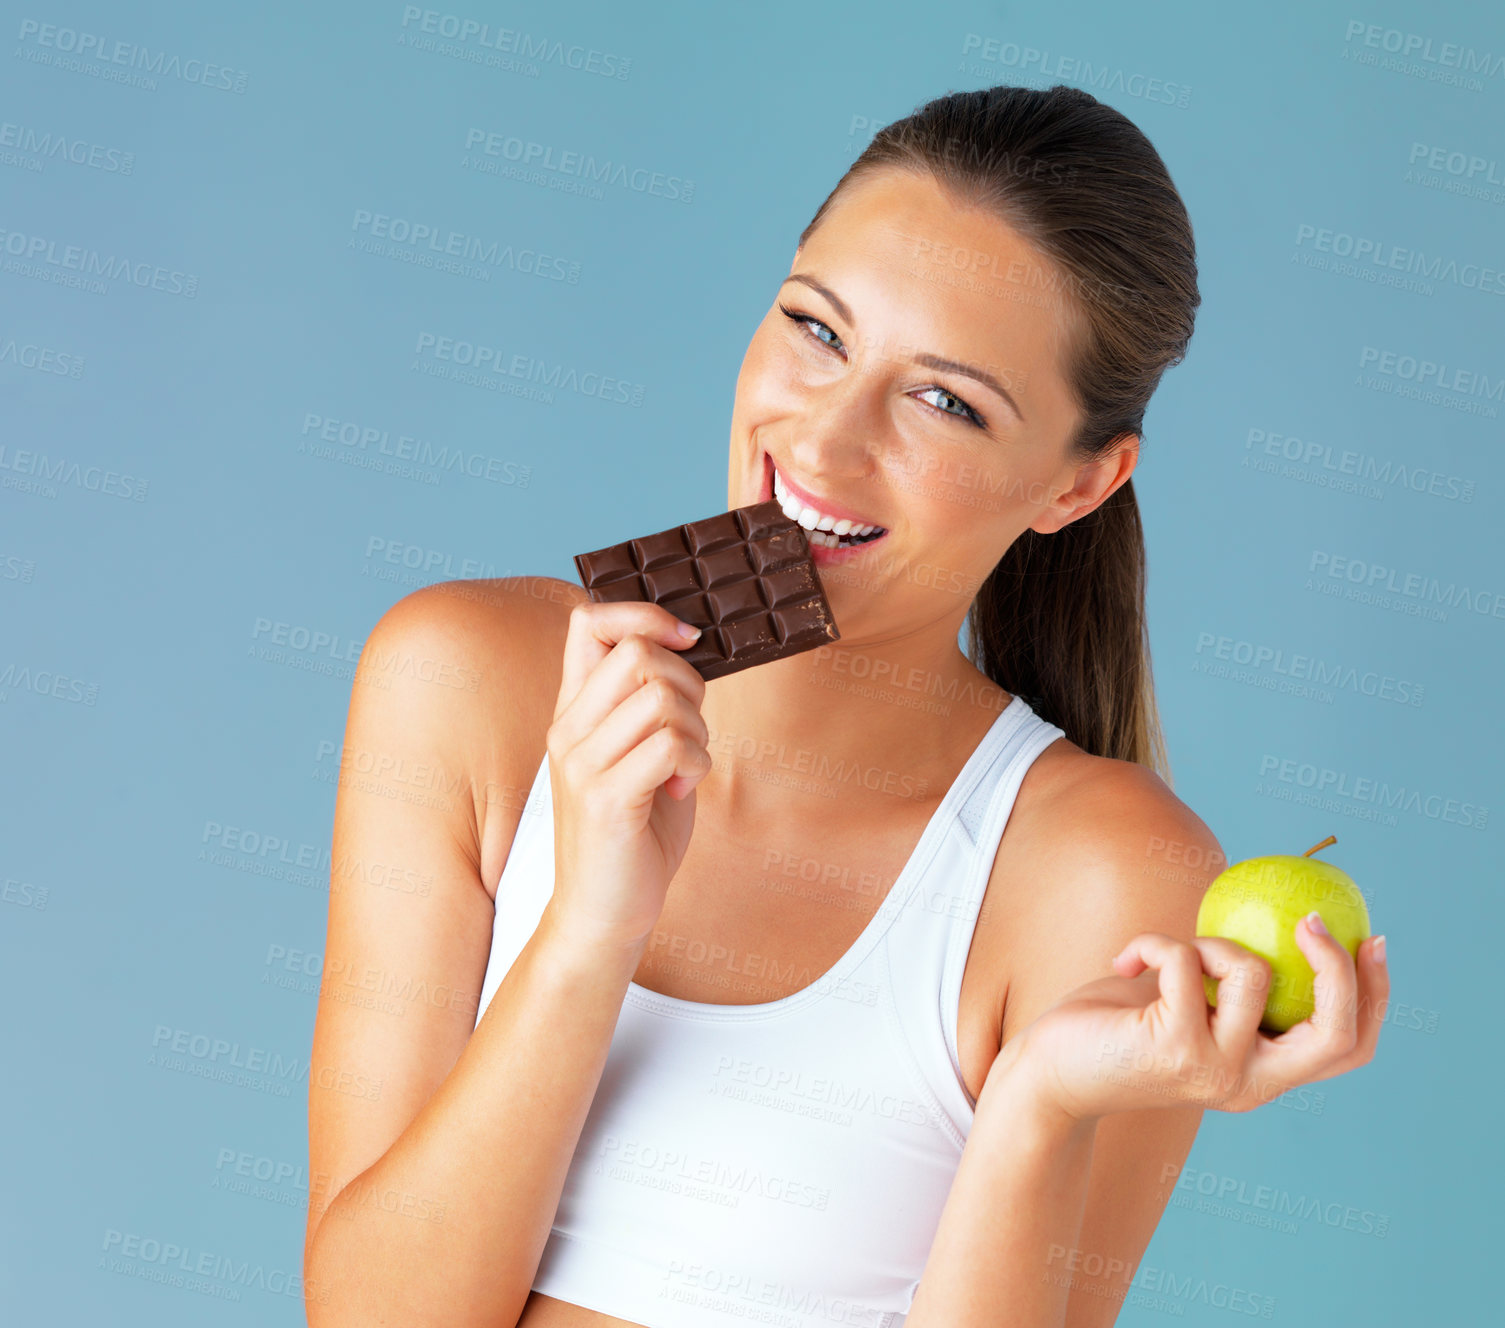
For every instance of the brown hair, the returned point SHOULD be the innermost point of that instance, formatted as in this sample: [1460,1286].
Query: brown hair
[1061,619]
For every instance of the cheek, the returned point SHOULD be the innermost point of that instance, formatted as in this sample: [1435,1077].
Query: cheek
[772,377]
[962,500]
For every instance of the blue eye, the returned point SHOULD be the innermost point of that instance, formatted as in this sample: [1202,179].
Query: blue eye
[810,323]
[966,412]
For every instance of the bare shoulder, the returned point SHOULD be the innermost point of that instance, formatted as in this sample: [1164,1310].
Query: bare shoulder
[1087,809]
[480,662]
[497,611]
[477,650]
[453,694]
[1097,851]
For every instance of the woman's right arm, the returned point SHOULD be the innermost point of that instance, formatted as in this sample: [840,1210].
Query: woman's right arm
[432,1199]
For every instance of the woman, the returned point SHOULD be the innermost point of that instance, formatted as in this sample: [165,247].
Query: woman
[849,1032]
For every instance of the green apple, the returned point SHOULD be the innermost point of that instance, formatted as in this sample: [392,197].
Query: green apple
[1258,903]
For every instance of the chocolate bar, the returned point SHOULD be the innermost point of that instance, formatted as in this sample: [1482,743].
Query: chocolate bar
[744,577]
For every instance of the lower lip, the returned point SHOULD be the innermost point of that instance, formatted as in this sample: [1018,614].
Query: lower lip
[822,556]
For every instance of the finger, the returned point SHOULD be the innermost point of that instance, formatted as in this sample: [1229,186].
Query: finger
[663,756]
[1335,986]
[655,705]
[632,662]
[595,628]
[1308,1050]
[1243,989]
[1374,1001]
[1180,969]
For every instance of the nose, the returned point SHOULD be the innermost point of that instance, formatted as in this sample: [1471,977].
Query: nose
[840,426]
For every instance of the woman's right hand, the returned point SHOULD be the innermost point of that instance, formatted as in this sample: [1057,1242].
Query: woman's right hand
[626,749]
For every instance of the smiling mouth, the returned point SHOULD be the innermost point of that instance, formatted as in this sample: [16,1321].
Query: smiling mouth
[821,529]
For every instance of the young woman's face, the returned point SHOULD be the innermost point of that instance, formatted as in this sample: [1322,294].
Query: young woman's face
[909,377]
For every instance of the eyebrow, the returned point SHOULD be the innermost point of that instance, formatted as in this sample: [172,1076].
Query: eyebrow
[924,357]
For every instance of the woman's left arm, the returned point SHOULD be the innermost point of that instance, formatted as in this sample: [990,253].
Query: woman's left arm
[1048,1216]
[1088,1112]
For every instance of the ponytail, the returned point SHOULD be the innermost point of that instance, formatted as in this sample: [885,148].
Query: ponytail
[1060,621]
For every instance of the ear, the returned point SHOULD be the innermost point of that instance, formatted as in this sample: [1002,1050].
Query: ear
[1092,484]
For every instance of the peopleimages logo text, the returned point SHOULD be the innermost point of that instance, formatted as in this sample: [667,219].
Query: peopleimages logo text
[92,46]
[90,262]
[1374,792]
[1412,585]
[48,145]
[1432,373]
[482,360]
[1398,258]
[1420,46]
[455,28]
[542,156]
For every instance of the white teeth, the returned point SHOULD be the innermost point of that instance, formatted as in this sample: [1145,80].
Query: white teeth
[816,524]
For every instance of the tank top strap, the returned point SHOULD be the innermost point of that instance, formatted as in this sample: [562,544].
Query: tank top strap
[984,819]
[535,819]
[524,887]
[927,949]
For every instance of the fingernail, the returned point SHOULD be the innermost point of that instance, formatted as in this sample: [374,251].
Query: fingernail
[1315,924]
[689,630]
[1379,949]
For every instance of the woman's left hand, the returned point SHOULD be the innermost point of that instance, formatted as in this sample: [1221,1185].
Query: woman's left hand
[1148,1038]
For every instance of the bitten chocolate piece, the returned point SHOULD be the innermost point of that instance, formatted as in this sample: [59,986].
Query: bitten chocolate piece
[745,577]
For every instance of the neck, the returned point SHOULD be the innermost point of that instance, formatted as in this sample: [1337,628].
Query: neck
[866,718]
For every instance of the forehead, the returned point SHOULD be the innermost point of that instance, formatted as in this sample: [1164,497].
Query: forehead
[922,270]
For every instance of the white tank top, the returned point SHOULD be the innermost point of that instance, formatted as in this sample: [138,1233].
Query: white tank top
[784,1163]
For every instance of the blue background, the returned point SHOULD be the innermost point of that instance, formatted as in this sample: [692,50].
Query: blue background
[144,703]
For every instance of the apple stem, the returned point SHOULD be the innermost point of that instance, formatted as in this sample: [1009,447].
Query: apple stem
[1331,839]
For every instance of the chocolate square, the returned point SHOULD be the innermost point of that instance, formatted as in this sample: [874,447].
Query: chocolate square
[745,577]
